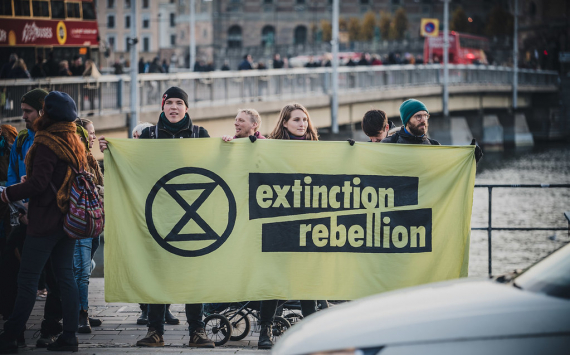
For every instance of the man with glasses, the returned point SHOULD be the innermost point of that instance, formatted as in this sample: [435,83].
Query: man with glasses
[415,118]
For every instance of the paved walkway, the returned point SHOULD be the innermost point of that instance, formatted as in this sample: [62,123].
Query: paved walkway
[120,331]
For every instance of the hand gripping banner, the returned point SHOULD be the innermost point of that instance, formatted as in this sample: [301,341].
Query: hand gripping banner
[202,220]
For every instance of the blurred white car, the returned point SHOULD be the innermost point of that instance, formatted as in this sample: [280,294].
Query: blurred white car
[527,314]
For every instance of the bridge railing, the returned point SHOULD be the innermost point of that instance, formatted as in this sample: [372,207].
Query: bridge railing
[111,93]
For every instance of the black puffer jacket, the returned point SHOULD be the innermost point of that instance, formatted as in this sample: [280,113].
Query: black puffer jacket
[185,132]
[404,137]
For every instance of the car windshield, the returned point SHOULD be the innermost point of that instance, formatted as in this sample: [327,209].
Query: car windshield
[550,276]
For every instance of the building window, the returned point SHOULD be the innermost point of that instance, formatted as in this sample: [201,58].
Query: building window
[128,44]
[128,4]
[268,36]
[300,35]
[145,4]
[268,2]
[205,33]
[111,41]
[145,21]
[364,2]
[172,40]
[172,20]
[146,44]
[111,21]
[128,21]
[300,2]
[110,4]
[234,37]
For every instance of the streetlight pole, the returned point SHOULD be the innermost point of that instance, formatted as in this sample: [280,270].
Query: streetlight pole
[334,42]
[192,33]
[515,57]
[445,58]
[133,119]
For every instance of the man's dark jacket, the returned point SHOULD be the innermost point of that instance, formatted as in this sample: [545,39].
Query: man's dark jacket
[185,132]
[406,138]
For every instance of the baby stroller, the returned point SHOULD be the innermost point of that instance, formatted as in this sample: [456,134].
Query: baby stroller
[239,316]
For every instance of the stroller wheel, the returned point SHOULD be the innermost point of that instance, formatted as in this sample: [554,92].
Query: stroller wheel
[240,322]
[218,328]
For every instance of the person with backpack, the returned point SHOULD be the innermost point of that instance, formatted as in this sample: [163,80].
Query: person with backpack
[57,153]
[84,248]
[174,122]
[31,105]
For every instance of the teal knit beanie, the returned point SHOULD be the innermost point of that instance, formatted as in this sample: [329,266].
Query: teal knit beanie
[409,107]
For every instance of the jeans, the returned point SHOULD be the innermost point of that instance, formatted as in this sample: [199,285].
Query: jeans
[268,308]
[194,315]
[35,254]
[82,270]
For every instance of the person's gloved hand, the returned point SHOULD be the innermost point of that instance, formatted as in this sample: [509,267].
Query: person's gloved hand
[478,150]
[252,138]
[351,141]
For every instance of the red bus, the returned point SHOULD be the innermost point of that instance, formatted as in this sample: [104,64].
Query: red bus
[463,49]
[32,28]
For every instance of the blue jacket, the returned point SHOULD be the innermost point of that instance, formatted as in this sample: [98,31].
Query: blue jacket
[18,160]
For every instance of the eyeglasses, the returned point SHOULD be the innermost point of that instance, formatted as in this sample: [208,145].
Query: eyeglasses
[421,116]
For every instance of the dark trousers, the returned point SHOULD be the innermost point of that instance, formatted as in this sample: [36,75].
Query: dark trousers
[268,308]
[194,315]
[10,266]
[52,308]
[36,252]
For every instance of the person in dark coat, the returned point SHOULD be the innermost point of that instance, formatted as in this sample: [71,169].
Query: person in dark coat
[246,63]
[57,148]
[19,70]
[155,66]
[174,122]
[277,62]
[38,69]
[141,65]
[51,66]
[415,116]
[77,67]
[7,68]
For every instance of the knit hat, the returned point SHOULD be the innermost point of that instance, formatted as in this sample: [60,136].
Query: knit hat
[175,93]
[409,107]
[60,107]
[35,98]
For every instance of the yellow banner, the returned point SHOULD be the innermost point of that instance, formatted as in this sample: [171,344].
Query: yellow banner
[201,220]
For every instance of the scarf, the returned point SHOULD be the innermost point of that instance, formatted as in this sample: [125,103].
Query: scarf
[174,127]
[63,150]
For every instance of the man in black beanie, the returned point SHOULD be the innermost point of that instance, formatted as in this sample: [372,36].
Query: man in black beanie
[174,122]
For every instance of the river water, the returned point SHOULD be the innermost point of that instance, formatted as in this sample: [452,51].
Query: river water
[543,164]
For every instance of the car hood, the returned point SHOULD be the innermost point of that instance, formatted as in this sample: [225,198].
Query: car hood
[445,311]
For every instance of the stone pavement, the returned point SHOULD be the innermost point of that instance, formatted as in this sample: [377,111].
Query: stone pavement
[119,331]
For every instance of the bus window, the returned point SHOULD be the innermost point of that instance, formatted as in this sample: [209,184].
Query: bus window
[88,11]
[57,9]
[73,10]
[5,7]
[40,8]
[22,7]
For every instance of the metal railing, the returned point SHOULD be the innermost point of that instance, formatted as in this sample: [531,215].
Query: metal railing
[110,93]
[490,227]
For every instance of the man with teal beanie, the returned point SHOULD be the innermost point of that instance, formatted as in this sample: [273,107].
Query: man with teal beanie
[415,118]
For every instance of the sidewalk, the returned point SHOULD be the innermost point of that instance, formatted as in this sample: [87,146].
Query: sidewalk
[119,331]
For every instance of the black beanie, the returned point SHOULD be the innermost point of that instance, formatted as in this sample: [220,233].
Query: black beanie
[60,107]
[35,98]
[174,93]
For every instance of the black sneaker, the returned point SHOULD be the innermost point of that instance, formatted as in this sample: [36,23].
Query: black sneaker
[21,341]
[152,339]
[7,345]
[45,339]
[95,322]
[62,344]
[199,339]
[169,318]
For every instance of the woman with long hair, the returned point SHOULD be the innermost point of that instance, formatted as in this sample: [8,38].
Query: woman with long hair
[294,123]
[91,69]
[85,248]
[56,151]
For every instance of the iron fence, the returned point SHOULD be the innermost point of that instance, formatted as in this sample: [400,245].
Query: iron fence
[490,227]
[110,93]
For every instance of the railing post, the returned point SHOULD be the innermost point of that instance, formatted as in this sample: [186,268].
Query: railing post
[120,93]
[489,231]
